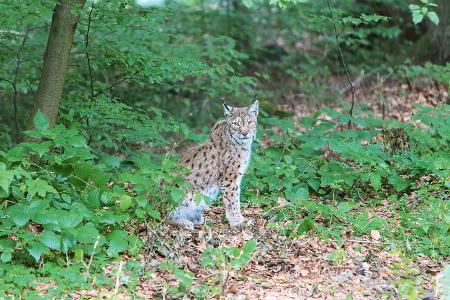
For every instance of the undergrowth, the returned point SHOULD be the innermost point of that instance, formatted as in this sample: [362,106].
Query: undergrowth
[66,206]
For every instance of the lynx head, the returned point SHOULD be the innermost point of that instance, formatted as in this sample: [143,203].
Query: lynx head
[241,122]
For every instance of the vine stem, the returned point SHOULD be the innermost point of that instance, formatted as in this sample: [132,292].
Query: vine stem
[341,55]
[88,59]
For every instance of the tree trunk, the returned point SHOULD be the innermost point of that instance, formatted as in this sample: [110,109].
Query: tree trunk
[56,58]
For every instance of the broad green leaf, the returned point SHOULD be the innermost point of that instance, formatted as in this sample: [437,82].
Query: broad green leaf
[154,214]
[40,148]
[6,257]
[249,247]
[7,245]
[375,181]
[19,214]
[298,192]
[125,202]
[6,178]
[85,233]
[417,18]
[182,276]
[398,183]
[39,187]
[50,239]
[305,226]
[69,219]
[36,250]
[345,207]
[414,7]
[176,195]
[46,216]
[78,254]
[248,3]
[92,198]
[433,17]
[40,121]
[88,171]
[118,242]
[234,251]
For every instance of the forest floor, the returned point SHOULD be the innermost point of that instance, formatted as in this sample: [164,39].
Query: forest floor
[307,267]
[302,268]
[282,268]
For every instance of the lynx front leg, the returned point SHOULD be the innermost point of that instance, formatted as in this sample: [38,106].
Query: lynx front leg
[231,201]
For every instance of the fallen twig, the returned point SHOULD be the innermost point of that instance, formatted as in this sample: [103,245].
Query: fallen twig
[119,272]
[91,259]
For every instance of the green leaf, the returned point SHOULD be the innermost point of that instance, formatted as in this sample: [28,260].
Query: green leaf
[7,245]
[50,239]
[433,17]
[184,277]
[40,148]
[306,225]
[235,252]
[92,198]
[36,250]
[6,257]
[154,214]
[176,195]
[39,187]
[6,178]
[19,214]
[345,207]
[125,202]
[40,121]
[118,242]
[375,181]
[398,183]
[414,7]
[69,219]
[248,3]
[85,233]
[78,254]
[298,192]
[249,247]
[417,19]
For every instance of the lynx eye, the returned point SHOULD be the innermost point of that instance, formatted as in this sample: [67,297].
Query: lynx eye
[235,124]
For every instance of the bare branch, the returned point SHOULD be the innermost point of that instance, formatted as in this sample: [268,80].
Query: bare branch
[116,83]
[88,59]
[86,45]
[341,55]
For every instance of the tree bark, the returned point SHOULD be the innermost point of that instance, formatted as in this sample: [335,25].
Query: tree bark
[56,58]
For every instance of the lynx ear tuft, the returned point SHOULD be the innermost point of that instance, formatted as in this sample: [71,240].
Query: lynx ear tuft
[254,108]
[227,110]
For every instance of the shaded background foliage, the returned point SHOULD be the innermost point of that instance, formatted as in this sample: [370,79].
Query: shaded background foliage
[182,57]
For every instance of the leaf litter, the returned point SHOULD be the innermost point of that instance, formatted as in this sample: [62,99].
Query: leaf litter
[281,268]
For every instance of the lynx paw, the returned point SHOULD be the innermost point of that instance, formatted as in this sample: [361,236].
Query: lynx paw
[236,221]
[199,220]
[183,223]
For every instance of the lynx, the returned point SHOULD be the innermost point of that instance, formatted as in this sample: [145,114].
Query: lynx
[218,165]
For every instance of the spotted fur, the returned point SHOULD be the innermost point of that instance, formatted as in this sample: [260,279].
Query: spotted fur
[218,165]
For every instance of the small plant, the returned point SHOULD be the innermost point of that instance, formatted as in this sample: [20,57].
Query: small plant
[420,11]
[337,257]
[224,262]
[185,278]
